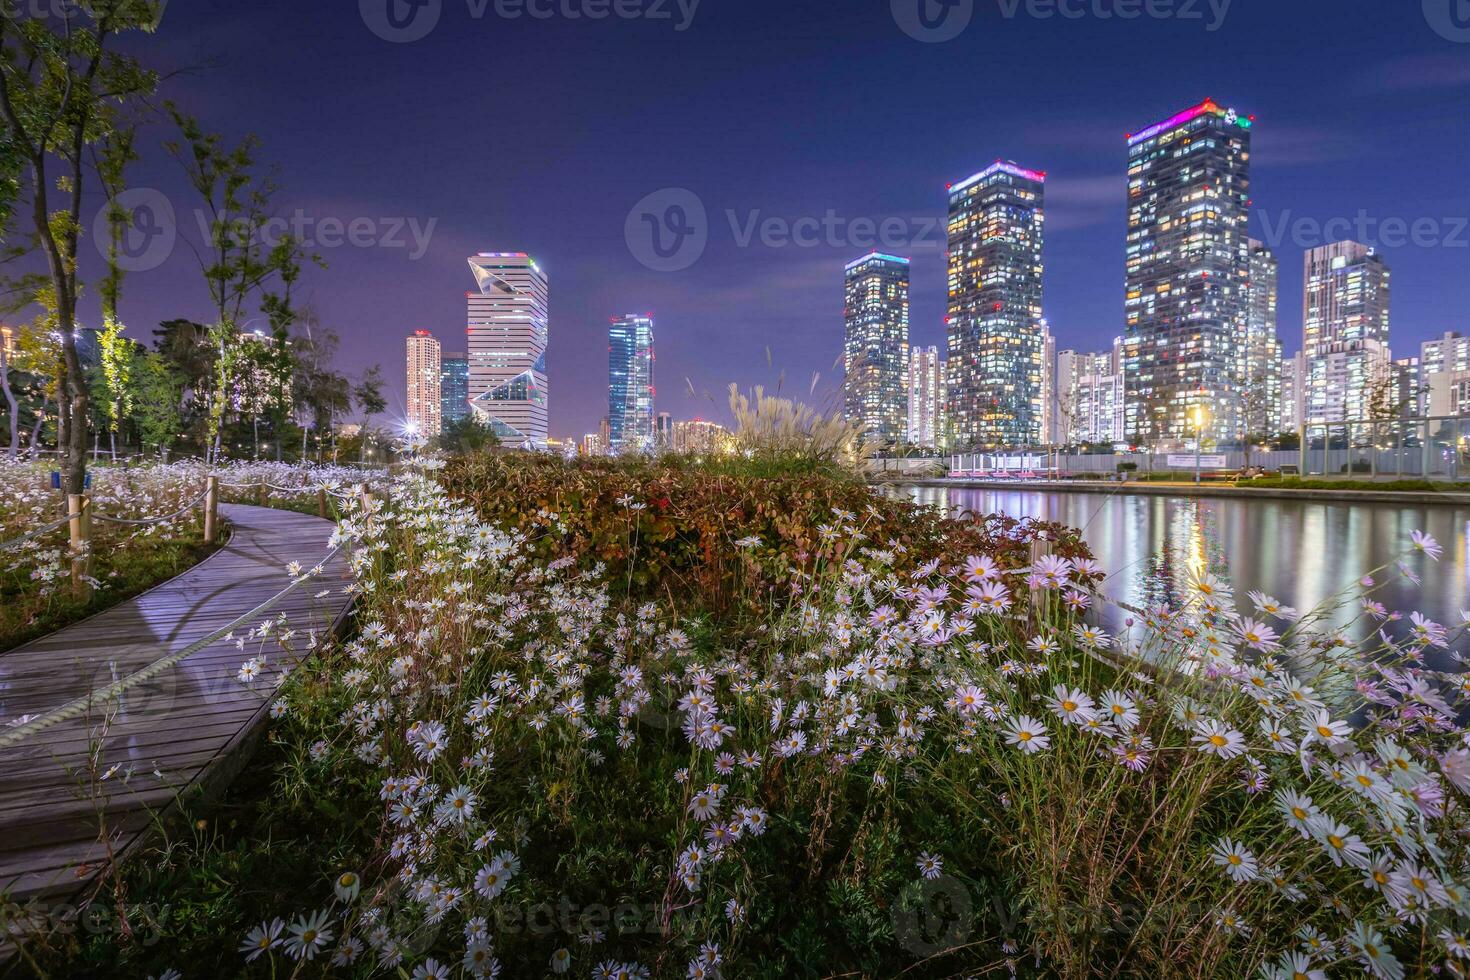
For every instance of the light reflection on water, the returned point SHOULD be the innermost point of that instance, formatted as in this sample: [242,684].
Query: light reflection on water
[1301,552]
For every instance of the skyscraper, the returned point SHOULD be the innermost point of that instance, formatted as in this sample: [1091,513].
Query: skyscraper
[423,384]
[1345,301]
[995,340]
[630,383]
[875,350]
[1188,266]
[926,398]
[1263,345]
[454,387]
[508,332]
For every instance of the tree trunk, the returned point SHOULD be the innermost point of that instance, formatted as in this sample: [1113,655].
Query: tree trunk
[10,400]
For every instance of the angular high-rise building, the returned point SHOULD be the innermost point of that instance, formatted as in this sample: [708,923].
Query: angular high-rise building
[875,348]
[630,384]
[508,332]
[996,343]
[1263,344]
[1345,305]
[424,395]
[454,387]
[926,398]
[1188,272]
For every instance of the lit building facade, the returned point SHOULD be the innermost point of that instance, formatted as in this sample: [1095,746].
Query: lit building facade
[1293,394]
[630,384]
[454,387]
[424,393]
[663,431]
[1188,271]
[1088,406]
[508,335]
[1345,324]
[1449,352]
[926,398]
[996,344]
[875,349]
[698,436]
[1263,344]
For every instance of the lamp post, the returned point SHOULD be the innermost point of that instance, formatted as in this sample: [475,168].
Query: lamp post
[1199,440]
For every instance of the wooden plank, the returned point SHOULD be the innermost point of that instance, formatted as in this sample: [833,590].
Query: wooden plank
[193,723]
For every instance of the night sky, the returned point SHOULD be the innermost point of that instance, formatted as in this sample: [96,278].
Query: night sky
[541,135]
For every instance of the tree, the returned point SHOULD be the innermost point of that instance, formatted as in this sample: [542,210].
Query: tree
[62,91]
[156,411]
[237,262]
[467,435]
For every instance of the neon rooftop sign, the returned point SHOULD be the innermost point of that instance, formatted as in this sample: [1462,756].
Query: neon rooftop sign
[1000,166]
[1208,106]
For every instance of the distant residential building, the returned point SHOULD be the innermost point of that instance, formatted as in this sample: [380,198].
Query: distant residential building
[9,342]
[698,436]
[663,431]
[1450,352]
[875,348]
[1409,396]
[926,398]
[1345,330]
[996,345]
[454,387]
[1293,394]
[1089,403]
[592,444]
[1449,393]
[1262,391]
[508,334]
[1188,269]
[630,389]
[1049,432]
[424,392]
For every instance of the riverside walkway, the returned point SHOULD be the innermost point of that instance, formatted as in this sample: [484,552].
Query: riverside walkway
[102,733]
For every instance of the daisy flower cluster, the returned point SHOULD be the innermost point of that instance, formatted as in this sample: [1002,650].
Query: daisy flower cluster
[1271,791]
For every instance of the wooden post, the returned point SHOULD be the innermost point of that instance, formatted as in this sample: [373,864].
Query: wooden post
[321,502]
[211,510]
[260,493]
[80,528]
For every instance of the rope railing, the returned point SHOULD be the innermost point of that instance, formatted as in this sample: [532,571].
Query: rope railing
[155,520]
[46,529]
[80,706]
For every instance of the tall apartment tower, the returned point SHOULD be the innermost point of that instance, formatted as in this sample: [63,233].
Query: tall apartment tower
[926,398]
[1188,272]
[1345,320]
[630,384]
[1263,344]
[454,387]
[875,347]
[996,344]
[508,332]
[424,395]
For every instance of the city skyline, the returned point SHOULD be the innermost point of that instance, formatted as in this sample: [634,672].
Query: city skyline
[1310,167]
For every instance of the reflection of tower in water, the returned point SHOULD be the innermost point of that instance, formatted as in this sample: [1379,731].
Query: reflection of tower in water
[1190,543]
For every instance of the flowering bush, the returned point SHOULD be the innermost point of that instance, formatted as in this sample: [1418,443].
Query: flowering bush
[928,766]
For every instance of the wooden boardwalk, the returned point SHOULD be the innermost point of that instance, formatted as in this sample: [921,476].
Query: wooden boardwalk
[175,735]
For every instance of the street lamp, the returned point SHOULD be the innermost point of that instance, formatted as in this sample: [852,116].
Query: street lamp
[1199,416]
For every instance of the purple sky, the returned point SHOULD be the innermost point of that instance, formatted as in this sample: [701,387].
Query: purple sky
[541,135]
